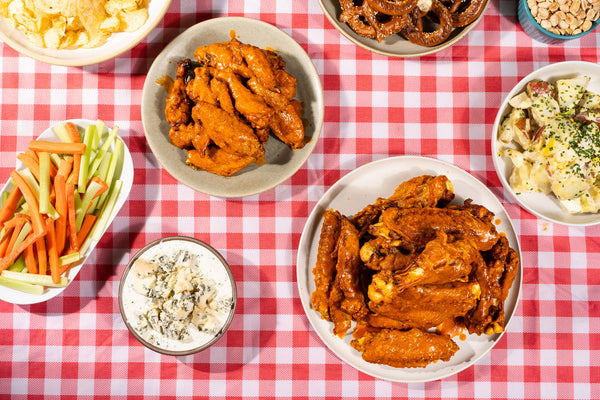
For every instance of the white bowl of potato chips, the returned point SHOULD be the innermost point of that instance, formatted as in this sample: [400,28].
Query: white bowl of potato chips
[77,32]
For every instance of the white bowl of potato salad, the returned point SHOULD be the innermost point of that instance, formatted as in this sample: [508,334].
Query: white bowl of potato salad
[546,143]
[77,32]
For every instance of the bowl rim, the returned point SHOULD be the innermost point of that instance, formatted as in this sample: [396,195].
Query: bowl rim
[225,325]
[554,35]
[427,50]
[142,33]
[494,144]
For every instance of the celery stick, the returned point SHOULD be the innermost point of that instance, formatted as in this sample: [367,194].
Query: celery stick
[35,188]
[21,286]
[85,158]
[61,132]
[93,188]
[102,223]
[103,150]
[4,198]
[112,169]
[55,158]
[101,173]
[100,130]
[18,265]
[68,259]
[25,230]
[44,182]
[35,279]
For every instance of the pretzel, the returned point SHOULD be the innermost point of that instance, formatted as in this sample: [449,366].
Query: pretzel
[413,30]
[371,27]
[392,7]
[466,15]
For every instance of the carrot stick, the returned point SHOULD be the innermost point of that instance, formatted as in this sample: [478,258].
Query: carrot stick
[5,240]
[17,229]
[10,205]
[65,166]
[72,216]
[73,132]
[74,177]
[86,227]
[58,148]
[61,209]
[40,247]
[8,259]
[52,253]
[30,262]
[36,218]
[19,219]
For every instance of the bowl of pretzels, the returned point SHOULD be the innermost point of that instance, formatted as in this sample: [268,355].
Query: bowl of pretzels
[404,28]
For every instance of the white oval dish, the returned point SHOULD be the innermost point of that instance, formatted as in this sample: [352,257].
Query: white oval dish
[130,301]
[17,297]
[349,195]
[544,206]
[280,161]
[117,44]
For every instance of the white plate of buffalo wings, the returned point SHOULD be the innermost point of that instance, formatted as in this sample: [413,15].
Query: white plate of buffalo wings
[232,107]
[409,269]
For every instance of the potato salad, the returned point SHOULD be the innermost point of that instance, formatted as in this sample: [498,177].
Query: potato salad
[552,137]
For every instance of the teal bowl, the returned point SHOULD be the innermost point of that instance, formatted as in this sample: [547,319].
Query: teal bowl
[535,30]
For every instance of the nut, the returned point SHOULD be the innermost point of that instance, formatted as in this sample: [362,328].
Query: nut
[565,17]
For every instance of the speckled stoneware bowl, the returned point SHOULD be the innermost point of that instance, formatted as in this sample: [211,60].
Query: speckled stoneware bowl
[280,161]
[394,45]
[533,29]
[127,308]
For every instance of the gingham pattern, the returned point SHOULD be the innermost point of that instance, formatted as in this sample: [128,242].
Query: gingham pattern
[442,105]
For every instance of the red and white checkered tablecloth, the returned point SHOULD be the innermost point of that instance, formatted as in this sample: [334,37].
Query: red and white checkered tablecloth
[441,105]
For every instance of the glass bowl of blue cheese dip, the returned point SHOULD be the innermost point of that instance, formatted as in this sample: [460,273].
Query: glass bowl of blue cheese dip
[177,296]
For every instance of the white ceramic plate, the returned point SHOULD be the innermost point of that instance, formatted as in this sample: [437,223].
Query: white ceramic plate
[544,206]
[349,195]
[280,162]
[395,45]
[117,44]
[17,297]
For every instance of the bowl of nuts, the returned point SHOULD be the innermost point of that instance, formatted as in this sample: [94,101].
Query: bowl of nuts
[553,21]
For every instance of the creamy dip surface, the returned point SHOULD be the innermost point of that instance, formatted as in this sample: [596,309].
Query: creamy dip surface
[177,295]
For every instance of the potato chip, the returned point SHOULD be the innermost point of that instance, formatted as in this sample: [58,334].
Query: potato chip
[64,24]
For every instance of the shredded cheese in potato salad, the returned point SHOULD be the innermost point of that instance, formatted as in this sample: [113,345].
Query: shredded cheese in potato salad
[552,137]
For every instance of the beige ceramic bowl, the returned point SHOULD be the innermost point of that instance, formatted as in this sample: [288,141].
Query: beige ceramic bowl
[395,45]
[117,44]
[281,162]
[127,303]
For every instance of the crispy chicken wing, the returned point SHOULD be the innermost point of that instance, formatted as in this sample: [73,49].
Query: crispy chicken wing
[348,271]
[341,319]
[414,227]
[250,105]
[286,83]
[325,269]
[177,109]
[495,276]
[198,89]
[218,161]
[445,301]
[223,56]
[228,131]
[286,123]
[418,192]
[221,91]
[260,65]
[404,349]
[381,254]
[439,262]
[182,135]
